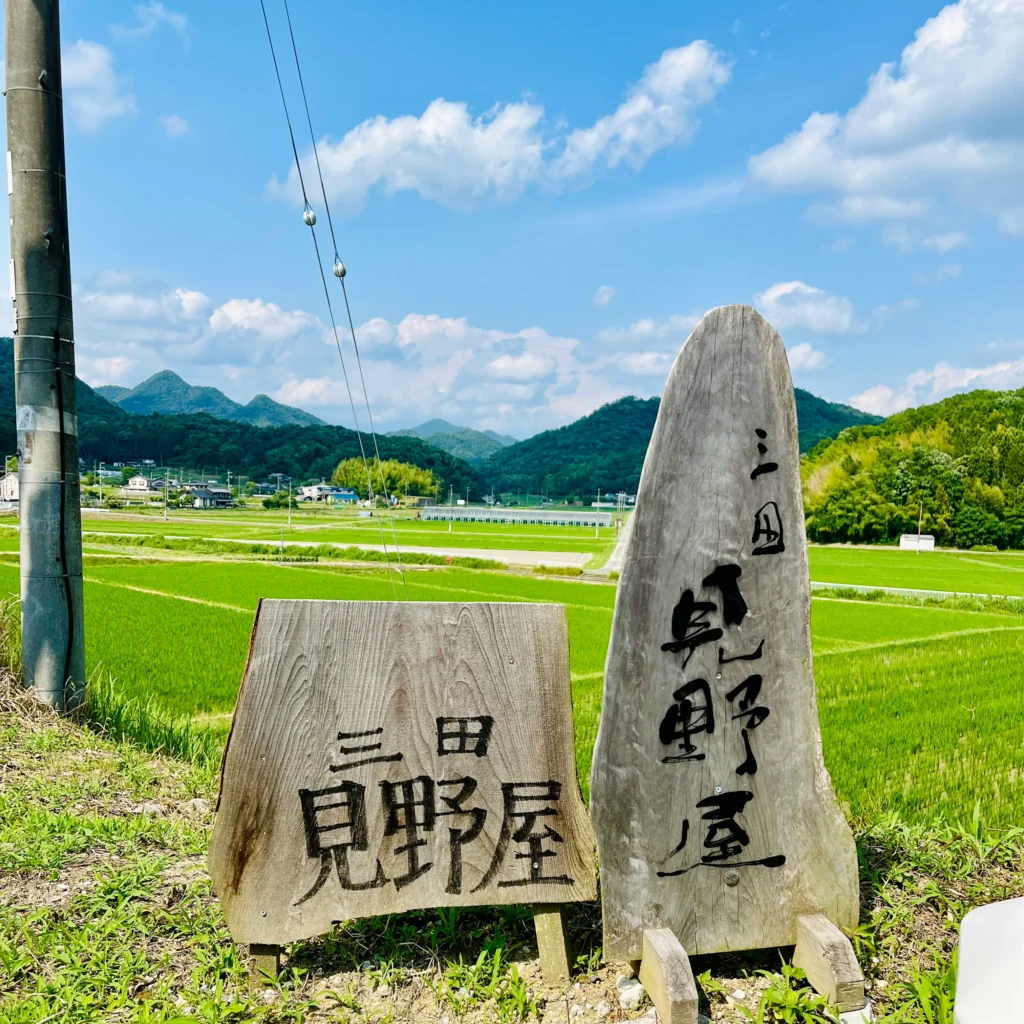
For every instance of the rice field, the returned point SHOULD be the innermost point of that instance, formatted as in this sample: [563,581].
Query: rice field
[918,705]
[974,572]
[345,528]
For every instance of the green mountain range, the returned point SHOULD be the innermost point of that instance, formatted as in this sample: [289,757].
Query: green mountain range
[606,449]
[166,393]
[463,442]
[603,450]
[958,465]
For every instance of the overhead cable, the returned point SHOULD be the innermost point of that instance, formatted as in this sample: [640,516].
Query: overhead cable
[309,217]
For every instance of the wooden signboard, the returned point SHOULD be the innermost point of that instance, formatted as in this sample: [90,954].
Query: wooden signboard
[715,816]
[386,757]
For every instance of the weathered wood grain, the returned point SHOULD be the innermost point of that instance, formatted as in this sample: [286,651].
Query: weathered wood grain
[699,494]
[320,668]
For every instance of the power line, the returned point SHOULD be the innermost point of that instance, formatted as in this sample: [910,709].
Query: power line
[339,272]
[309,217]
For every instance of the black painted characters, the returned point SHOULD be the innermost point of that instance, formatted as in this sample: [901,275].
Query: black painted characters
[335,818]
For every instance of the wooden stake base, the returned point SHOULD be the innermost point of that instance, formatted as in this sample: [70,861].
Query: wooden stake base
[666,976]
[826,956]
[266,962]
[552,943]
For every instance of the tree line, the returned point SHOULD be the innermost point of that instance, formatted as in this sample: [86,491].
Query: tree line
[958,466]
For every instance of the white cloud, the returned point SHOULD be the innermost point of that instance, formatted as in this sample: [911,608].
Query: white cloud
[110,369]
[417,367]
[659,111]
[883,400]
[93,92]
[267,319]
[1011,222]
[603,295]
[859,209]
[907,239]
[132,306]
[924,386]
[661,204]
[155,327]
[677,326]
[795,304]
[805,357]
[941,273]
[311,391]
[454,158]
[946,242]
[883,313]
[149,18]
[948,120]
[528,366]
[174,125]
[642,364]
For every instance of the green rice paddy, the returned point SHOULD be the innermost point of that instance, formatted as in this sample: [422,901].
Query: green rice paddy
[919,704]
[1000,573]
[345,528]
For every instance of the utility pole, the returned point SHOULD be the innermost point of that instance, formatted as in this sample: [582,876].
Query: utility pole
[450,513]
[165,494]
[53,651]
[289,503]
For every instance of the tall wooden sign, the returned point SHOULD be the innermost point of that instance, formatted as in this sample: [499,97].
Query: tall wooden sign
[386,757]
[715,816]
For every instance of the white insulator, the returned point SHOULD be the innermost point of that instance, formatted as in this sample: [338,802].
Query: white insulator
[339,269]
[309,216]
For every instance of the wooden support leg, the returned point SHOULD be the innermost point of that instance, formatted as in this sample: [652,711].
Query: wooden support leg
[825,955]
[552,943]
[266,961]
[666,975]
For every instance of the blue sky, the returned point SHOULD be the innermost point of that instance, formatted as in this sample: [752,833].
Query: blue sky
[536,203]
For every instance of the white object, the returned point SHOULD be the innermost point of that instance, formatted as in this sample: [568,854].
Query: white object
[631,992]
[991,963]
[917,542]
[861,1016]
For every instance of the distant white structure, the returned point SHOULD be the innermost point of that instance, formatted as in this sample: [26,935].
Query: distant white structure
[468,514]
[917,542]
[9,486]
[138,487]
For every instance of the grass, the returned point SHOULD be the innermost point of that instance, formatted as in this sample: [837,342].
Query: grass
[960,571]
[909,693]
[107,913]
[346,529]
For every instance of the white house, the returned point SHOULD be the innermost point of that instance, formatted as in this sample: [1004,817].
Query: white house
[137,486]
[9,487]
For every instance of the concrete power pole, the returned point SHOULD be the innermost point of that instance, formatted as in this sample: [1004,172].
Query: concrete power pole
[53,651]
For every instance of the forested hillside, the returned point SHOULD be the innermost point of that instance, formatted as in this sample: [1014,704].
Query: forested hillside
[463,442]
[960,462]
[107,433]
[606,449]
